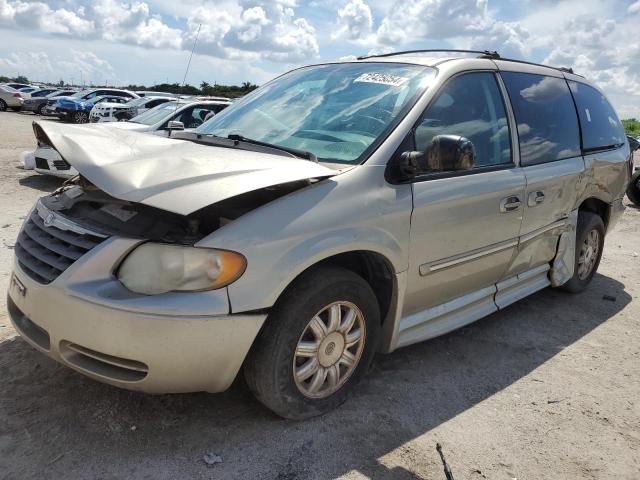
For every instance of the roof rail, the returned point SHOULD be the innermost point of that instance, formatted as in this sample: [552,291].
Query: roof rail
[489,54]
[483,53]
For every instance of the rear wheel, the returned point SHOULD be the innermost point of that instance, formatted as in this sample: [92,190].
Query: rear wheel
[40,109]
[3,106]
[633,189]
[317,343]
[80,117]
[589,243]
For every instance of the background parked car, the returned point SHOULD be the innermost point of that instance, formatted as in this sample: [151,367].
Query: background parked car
[39,103]
[77,111]
[633,188]
[43,92]
[10,98]
[16,86]
[155,121]
[118,112]
[51,108]
[26,92]
[190,114]
[151,93]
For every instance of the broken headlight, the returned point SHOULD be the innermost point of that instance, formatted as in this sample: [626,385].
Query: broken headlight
[154,268]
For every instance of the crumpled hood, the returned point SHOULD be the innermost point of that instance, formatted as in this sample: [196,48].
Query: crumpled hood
[174,175]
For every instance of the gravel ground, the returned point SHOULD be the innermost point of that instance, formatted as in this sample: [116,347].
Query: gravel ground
[548,388]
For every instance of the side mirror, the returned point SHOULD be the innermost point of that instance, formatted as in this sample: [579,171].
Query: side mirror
[448,153]
[175,125]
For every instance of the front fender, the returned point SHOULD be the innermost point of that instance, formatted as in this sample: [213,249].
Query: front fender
[354,211]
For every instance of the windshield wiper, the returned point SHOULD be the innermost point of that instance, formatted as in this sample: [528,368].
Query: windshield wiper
[294,151]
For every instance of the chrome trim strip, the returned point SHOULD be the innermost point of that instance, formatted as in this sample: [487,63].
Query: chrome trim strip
[530,236]
[431,267]
[53,219]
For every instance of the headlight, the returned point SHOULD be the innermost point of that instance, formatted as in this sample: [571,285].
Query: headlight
[154,268]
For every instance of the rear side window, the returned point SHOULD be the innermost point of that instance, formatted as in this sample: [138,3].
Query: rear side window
[600,125]
[546,117]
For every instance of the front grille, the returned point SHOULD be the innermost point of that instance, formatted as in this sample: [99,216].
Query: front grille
[41,163]
[45,252]
[61,165]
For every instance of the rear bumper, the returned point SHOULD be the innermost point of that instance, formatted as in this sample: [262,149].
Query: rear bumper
[143,344]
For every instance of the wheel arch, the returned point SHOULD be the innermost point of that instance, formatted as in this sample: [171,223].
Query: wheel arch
[597,206]
[375,268]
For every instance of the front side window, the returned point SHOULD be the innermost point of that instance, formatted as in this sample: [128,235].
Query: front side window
[601,128]
[469,106]
[546,117]
[335,111]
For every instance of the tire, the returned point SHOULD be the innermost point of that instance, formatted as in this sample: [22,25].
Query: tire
[588,223]
[40,109]
[3,106]
[80,117]
[633,189]
[270,365]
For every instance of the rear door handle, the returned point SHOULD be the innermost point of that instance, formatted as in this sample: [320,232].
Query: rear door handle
[535,198]
[510,204]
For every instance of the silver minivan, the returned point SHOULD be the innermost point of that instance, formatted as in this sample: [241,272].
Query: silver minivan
[340,210]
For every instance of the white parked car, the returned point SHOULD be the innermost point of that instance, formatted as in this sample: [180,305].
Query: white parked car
[161,120]
[118,112]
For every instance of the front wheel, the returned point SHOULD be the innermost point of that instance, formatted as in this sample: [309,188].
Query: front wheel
[589,243]
[633,189]
[80,117]
[3,105]
[317,343]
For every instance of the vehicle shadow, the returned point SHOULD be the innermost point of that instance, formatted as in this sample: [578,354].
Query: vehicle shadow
[44,183]
[55,420]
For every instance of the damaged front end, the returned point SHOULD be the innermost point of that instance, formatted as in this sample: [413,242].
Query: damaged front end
[87,205]
[163,195]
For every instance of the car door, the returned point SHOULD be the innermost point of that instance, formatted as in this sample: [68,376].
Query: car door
[465,224]
[550,156]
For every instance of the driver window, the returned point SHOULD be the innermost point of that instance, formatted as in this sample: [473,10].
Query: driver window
[469,106]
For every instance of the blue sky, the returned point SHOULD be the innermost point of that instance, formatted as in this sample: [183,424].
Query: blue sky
[254,40]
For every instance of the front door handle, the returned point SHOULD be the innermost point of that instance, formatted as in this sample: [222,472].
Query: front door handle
[510,204]
[535,198]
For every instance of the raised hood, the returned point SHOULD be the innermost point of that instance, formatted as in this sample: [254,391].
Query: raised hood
[174,175]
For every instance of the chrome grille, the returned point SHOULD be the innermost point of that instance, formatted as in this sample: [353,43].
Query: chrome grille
[44,252]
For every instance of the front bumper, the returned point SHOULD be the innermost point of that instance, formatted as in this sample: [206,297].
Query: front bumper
[156,344]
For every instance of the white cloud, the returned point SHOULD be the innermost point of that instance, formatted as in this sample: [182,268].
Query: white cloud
[604,51]
[355,21]
[75,66]
[634,7]
[267,29]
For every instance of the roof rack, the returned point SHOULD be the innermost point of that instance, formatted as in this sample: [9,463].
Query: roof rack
[483,53]
[489,54]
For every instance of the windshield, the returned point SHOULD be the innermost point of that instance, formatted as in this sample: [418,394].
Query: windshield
[156,114]
[138,101]
[334,111]
[80,94]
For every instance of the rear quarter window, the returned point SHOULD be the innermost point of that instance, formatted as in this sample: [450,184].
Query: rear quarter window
[601,128]
[545,115]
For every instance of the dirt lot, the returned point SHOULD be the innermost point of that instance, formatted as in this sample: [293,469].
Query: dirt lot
[548,388]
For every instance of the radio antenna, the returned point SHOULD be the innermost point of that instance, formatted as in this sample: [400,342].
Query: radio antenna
[191,55]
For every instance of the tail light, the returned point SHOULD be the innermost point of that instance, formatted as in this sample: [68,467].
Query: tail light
[17,94]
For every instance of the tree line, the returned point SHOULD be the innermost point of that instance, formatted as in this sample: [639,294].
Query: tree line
[215,90]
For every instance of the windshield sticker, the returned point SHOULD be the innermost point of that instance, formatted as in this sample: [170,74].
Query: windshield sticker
[382,79]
